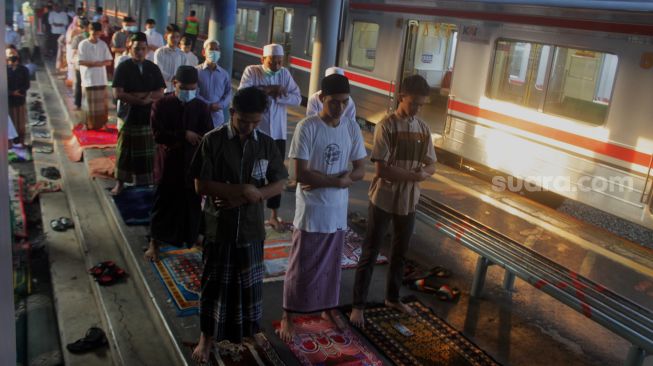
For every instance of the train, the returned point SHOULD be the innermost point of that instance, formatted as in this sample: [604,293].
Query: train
[555,94]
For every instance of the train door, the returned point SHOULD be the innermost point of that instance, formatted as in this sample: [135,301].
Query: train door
[429,51]
[281,30]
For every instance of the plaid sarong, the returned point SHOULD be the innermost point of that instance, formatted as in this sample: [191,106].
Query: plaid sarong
[135,154]
[18,116]
[232,281]
[96,106]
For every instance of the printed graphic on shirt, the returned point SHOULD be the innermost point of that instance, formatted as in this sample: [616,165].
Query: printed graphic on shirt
[260,168]
[332,154]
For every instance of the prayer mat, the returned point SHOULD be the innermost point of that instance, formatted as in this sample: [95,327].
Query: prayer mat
[252,352]
[180,270]
[88,139]
[103,167]
[320,342]
[422,340]
[135,204]
[42,186]
[17,204]
[277,251]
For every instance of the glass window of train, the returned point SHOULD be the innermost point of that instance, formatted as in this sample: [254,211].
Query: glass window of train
[362,53]
[251,34]
[580,84]
[312,27]
[241,23]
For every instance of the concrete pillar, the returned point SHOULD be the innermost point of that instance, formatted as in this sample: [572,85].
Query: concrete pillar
[325,48]
[7,321]
[158,10]
[222,26]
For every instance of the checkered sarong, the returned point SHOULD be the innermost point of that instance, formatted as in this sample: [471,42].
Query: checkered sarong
[232,281]
[96,106]
[135,154]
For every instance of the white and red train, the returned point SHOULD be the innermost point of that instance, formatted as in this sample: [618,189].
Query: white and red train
[558,93]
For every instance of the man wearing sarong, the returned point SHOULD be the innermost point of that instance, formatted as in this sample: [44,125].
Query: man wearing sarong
[178,123]
[403,156]
[322,148]
[137,83]
[169,57]
[17,86]
[94,55]
[282,91]
[236,167]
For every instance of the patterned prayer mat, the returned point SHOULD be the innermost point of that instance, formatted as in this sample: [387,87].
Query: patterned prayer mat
[320,342]
[277,252]
[135,204]
[252,352]
[17,204]
[96,138]
[180,270]
[422,340]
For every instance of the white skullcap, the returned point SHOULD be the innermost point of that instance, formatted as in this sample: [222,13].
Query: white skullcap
[209,41]
[273,50]
[334,70]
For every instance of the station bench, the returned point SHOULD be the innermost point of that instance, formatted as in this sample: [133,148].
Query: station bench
[618,314]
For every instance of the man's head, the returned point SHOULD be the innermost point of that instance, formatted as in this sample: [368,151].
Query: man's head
[247,109]
[192,13]
[12,56]
[94,31]
[56,7]
[413,94]
[211,51]
[272,59]
[334,95]
[185,44]
[137,44]
[79,12]
[98,10]
[172,35]
[129,24]
[150,24]
[185,82]
[83,23]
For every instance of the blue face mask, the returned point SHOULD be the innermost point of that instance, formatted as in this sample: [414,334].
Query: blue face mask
[131,28]
[186,95]
[269,72]
[213,56]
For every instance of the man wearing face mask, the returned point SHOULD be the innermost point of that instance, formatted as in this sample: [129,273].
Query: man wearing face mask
[119,40]
[178,123]
[137,83]
[154,38]
[214,82]
[282,91]
[93,56]
[17,86]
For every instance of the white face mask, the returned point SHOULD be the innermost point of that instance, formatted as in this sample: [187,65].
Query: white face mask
[213,56]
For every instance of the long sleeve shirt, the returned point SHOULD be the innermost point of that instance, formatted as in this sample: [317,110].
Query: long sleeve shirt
[168,60]
[275,118]
[17,80]
[314,107]
[214,86]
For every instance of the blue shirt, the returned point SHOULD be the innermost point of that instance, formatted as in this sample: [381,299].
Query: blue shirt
[214,86]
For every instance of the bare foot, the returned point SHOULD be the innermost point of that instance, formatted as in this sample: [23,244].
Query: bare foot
[116,189]
[357,318]
[202,352]
[276,223]
[152,253]
[287,330]
[401,307]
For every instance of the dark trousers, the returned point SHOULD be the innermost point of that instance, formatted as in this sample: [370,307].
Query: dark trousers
[52,43]
[193,38]
[78,89]
[378,221]
[274,203]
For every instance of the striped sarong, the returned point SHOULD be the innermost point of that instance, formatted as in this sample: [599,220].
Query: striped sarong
[18,115]
[312,280]
[135,154]
[96,106]
[231,304]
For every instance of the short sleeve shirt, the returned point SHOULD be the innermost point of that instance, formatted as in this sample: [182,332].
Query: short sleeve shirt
[403,143]
[132,79]
[222,157]
[89,51]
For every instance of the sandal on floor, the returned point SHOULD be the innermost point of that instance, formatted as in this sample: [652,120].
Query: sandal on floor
[94,338]
[439,271]
[66,222]
[446,293]
[44,149]
[51,173]
[57,226]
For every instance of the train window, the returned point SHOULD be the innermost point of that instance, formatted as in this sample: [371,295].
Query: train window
[363,45]
[247,24]
[312,28]
[556,80]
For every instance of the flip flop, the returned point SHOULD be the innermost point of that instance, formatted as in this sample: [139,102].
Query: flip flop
[41,134]
[51,173]
[44,149]
[38,123]
[66,222]
[446,293]
[94,338]
[56,225]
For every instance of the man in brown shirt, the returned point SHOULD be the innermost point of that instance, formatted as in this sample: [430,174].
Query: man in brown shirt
[403,155]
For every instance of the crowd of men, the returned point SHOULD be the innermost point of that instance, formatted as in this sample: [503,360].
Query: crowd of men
[212,175]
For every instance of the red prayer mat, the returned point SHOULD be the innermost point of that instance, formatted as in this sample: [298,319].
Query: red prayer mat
[320,342]
[89,139]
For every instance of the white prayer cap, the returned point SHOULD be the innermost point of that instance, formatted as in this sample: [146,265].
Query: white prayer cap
[334,70]
[273,50]
[208,42]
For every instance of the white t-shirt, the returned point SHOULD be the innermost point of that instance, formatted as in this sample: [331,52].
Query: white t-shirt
[154,38]
[191,59]
[89,51]
[59,18]
[329,151]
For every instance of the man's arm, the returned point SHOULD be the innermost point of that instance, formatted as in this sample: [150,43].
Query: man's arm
[315,179]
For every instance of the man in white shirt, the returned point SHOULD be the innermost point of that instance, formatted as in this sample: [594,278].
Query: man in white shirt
[186,45]
[214,83]
[282,91]
[314,105]
[154,39]
[58,21]
[94,55]
[169,57]
[322,148]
